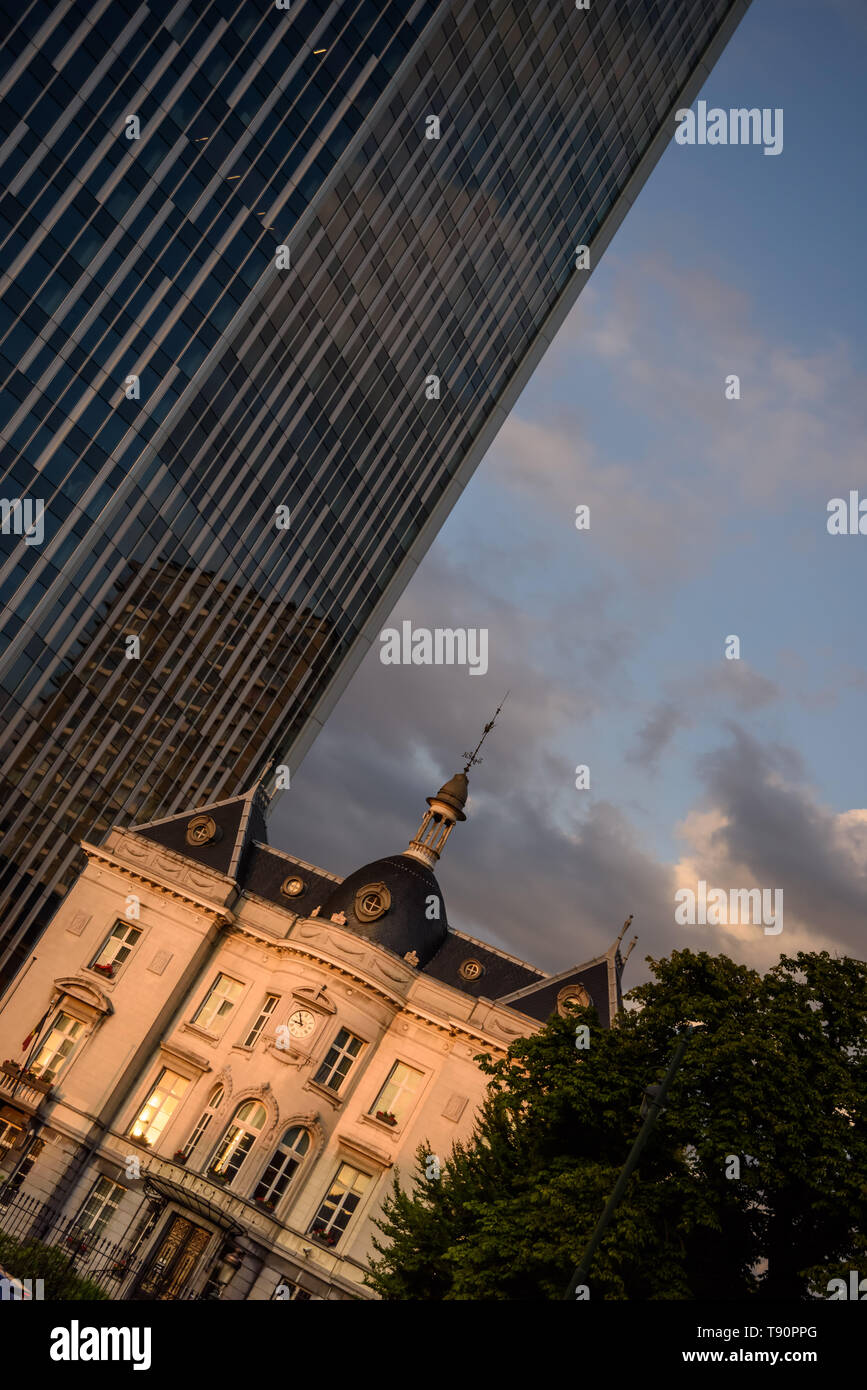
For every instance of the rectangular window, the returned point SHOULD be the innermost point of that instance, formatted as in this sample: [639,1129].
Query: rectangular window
[397,1096]
[159,1107]
[341,1055]
[255,1033]
[9,1135]
[219,1002]
[58,1047]
[115,950]
[343,1197]
[286,1290]
[100,1207]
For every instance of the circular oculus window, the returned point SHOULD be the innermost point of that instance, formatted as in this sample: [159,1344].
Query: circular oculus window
[574,997]
[201,830]
[372,901]
[471,970]
[293,886]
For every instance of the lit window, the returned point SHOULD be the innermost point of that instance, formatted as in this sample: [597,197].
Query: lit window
[343,1197]
[277,1176]
[159,1107]
[55,1052]
[265,1013]
[341,1055]
[238,1140]
[9,1135]
[219,1001]
[116,949]
[208,1114]
[100,1207]
[397,1096]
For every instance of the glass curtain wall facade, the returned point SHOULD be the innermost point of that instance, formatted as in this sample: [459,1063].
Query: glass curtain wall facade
[171,378]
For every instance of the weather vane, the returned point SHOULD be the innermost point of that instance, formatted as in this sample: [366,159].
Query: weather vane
[473,758]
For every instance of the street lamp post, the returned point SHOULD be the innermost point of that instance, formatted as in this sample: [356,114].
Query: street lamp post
[655,1095]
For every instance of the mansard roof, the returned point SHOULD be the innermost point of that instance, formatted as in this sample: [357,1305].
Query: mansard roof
[269,868]
[240,851]
[239,821]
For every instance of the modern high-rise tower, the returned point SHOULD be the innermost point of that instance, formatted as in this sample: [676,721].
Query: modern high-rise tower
[238,241]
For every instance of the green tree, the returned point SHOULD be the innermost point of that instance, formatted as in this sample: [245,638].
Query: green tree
[752,1183]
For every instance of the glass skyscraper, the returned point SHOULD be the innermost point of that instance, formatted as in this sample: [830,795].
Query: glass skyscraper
[235,248]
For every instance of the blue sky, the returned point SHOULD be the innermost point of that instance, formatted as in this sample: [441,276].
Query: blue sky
[708,518]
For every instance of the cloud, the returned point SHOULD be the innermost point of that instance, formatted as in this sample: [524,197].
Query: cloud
[762,826]
[656,733]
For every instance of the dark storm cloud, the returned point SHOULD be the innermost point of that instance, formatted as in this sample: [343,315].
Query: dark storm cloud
[771,823]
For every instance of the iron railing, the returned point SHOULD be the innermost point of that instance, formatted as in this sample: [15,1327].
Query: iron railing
[75,1264]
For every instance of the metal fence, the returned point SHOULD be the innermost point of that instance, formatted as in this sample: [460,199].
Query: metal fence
[74,1263]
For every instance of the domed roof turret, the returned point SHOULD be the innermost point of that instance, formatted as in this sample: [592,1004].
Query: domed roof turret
[454,793]
[395,902]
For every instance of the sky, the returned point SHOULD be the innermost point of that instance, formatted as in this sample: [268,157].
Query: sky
[708,519]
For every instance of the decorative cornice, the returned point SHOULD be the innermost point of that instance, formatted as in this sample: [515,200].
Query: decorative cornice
[192,1059]
[84,991]
[137,874]
[364,1151]
[292,946]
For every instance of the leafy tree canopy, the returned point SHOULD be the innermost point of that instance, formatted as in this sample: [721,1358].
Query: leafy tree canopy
[776,1079]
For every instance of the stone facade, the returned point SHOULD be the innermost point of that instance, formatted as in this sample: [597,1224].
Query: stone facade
[243,1074]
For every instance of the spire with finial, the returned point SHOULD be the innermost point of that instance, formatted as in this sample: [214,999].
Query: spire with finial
[473,758]
[447,807]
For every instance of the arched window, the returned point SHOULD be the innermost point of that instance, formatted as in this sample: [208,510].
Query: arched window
[216,1100]
[238,1140]
[277,1176]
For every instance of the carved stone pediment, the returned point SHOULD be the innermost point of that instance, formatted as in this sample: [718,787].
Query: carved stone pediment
[76,987]
[317,998]
[185,1055]
[367,1152]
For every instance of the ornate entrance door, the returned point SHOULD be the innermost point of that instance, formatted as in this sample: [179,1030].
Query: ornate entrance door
[175,1258]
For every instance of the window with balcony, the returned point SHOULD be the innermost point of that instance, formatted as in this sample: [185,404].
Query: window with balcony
[343,1052]
[333,1217]
[218,1003]
[116,950]
[161,1104]
[63,1038]
[237,1142]
[397,1097]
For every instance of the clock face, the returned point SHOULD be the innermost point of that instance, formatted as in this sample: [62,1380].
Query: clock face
[301,1023]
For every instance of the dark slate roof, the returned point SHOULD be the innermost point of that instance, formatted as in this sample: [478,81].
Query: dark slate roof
[501,975]
[406,925]
[542,1002]
[241,852]
[267,868]
[239,822]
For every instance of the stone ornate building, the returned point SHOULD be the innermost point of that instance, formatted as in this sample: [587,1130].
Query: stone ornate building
[218,1053]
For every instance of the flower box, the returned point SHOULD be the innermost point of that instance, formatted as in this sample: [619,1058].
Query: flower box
[266,1202]
[180,1157]
[107,970]
[387,1116]
[221,1178]
[327,1237]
